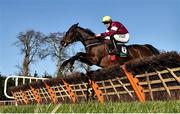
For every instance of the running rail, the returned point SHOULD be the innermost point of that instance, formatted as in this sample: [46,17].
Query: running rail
[16,78]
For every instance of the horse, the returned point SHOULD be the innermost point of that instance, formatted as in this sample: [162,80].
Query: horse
[96,50]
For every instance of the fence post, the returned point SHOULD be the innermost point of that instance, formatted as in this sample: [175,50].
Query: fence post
[135,84]
[51,93]
[69,89]
[36,94]
[97,91]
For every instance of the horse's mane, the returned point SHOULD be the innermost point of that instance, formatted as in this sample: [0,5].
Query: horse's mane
[87,30]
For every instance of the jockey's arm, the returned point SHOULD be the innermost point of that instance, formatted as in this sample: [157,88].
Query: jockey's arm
[98,35]
[110,33]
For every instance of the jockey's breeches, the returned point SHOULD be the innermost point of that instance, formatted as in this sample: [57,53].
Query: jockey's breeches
[124,38]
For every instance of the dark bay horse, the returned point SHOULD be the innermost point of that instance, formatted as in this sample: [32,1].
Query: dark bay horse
[97,51]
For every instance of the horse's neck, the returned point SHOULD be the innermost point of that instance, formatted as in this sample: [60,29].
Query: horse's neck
[86,38]
[91,41]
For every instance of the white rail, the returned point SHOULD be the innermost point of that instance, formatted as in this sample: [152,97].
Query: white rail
[7,102]
[16,78]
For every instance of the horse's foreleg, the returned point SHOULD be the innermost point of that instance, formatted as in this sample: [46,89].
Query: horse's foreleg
[69,62]
[79,56]
[65,63]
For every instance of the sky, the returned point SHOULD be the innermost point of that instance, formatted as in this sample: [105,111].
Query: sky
[156,22]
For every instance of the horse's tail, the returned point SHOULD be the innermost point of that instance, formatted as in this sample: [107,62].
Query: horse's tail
[153,49]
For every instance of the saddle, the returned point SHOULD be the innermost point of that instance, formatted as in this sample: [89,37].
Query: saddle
[117,48]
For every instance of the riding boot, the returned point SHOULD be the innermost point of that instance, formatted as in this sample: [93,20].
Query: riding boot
[114,50]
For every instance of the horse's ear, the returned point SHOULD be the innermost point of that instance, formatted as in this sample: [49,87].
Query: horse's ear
[77,24]
[74,26]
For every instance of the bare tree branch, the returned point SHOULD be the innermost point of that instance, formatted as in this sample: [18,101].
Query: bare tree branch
[53,49]
[29,43]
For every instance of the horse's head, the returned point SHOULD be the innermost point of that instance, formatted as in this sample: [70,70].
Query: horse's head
[70,36]
[76,33]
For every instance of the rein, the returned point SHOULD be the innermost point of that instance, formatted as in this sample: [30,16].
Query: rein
[92,44]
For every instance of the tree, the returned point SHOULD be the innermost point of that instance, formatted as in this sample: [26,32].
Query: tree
[10,84]
[54,49]
[30,43]
[2,87]
[46,75]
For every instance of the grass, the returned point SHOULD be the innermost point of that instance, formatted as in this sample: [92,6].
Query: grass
[94,107]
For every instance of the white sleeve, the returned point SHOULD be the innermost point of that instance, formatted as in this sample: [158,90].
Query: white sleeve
[107,30]
[114,28]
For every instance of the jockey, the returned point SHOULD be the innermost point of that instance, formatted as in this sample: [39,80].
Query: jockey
[116,32]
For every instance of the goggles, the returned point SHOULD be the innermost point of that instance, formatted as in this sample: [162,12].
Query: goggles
[106,22]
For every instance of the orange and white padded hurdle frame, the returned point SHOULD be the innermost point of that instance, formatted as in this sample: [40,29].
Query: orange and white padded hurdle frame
[147,86]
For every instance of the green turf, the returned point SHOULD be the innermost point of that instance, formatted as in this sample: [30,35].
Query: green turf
[94,107]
